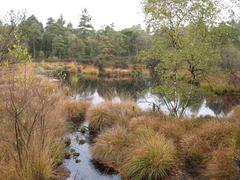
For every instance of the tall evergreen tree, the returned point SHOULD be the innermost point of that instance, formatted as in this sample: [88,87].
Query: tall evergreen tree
[33,31]
[85,31]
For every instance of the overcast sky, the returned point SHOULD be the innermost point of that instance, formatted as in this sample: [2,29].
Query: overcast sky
[123,13]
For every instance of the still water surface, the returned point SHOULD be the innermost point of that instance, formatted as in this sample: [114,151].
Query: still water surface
[100,90]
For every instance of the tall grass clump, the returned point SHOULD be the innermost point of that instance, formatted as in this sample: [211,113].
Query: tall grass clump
[100,116]
[76,110]
[214,133]
[128,108]
[73,67]
[236,112]
[154,158]
[198,145]
[112,146]
[170,128]
[32,124]
[223,164]
[145,122]
[108,114]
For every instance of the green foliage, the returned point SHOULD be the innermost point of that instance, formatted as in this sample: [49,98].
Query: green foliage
[58,41]
[184,49]
[33,31]
[84,26]
[58,45]
[19,54]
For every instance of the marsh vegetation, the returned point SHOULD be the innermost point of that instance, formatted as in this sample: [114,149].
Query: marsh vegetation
[155,103]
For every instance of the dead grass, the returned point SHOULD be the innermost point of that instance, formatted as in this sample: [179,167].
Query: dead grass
[76,110]
[117,72]
[236,112]
[101,116]
[222,164]
[108,114]
[112,146]
[173,129]
[90,70]
[74,67]
[32,124]
[154,158]
[197,146]
[145,122]
[203,147]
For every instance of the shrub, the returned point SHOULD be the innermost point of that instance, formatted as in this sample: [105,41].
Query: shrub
[36,118]
[112,146]
[151,159]
[39,168]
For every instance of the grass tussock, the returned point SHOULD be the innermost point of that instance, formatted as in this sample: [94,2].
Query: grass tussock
[112,146]
[76,110]
[151,159]
[101,116]
[32,122]
[212,133]
[108,114]
[170,128]
[73,67]
[159,147]
[145,122]
[198,145]
[222,164]
[236,112]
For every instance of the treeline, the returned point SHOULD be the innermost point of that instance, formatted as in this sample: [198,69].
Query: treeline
[58,40]
[194,41]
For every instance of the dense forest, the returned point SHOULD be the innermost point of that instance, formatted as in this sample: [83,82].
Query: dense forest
[180,47]
[58,40]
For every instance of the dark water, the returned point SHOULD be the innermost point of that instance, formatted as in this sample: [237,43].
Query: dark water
[100,90]
[87,168]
